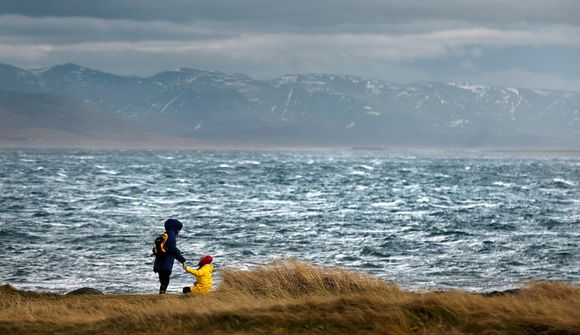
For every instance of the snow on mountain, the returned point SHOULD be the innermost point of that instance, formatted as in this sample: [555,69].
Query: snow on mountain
[316,108]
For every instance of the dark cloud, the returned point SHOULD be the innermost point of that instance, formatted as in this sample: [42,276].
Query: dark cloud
[171,10]
[306,13]
[386,39]
[58,30]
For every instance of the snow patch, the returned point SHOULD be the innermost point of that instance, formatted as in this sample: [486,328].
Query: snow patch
[515,92]
[167,105]
[459,123]
[540,92]
[193,78]
[40,71]
[286,80]
[290,94]
[473,88]
[374,88]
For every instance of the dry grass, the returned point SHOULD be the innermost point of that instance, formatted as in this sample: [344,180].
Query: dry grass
[288,297]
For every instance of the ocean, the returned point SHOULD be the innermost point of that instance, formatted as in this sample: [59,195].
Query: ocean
[475,221]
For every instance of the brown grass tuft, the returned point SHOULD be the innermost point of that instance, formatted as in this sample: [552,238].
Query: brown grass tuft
[292,279]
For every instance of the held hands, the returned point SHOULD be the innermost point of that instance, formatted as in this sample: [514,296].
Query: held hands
[184,265]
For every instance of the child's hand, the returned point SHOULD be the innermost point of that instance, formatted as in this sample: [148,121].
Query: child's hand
[184,265]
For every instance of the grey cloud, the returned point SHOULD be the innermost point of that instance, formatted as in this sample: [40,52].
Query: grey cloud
[74,21]
[279,48]
[384,39]
[54,30]
[266,64]
[172,10]
[302,14]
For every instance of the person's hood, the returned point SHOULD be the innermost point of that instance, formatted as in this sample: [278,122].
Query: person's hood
[173,224]
[205,259]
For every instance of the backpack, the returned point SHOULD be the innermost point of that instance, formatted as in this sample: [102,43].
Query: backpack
[159,245]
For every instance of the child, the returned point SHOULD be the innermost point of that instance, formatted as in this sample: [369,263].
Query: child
[203,282]
[164,264]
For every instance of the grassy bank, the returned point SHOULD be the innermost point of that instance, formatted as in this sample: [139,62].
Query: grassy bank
[296,298]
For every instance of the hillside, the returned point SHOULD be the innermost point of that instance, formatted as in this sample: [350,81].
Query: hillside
[30,119]
[317,109]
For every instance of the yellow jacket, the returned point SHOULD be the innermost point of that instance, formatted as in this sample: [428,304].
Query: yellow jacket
[203,276]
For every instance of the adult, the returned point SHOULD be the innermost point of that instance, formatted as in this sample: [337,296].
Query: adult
[164,264]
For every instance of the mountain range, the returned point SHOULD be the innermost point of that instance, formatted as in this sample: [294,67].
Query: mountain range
[187,105]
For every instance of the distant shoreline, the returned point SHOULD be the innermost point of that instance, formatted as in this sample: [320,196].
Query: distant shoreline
[198,145]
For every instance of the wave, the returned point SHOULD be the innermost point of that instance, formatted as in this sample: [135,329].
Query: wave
[249,162]
[501,183]
[467,206]
[358,173]
[389,204]
[562,181]
[326,216]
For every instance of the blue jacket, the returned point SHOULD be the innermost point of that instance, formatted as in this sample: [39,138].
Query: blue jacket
[165,263]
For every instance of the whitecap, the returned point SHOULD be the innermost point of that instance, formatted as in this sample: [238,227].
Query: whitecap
[564,181]
[468,205]
[414,214]
[249,163]
[225,166]
[387,204]
[423,199]
[358,173]
[276,202]
[61,176]
[412,187]
[124,197]
[164,201]
[501,183]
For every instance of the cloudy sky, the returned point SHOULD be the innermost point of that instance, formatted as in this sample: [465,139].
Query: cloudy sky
[524,43]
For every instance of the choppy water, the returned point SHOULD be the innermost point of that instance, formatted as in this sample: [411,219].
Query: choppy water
[71,218]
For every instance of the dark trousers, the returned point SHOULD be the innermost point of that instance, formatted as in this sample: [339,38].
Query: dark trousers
[163,280]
